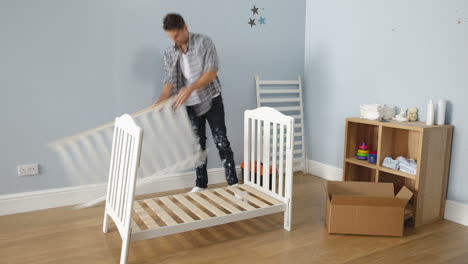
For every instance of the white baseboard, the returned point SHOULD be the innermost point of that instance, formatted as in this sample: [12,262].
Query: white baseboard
[456,212]
[324,171]
[38,200]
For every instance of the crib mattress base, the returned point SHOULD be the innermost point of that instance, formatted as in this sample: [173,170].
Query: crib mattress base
[178,213]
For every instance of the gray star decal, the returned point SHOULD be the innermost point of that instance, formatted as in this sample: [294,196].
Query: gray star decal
[251,22]
[254,10]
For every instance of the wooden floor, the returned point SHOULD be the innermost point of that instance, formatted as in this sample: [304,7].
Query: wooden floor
[65,235]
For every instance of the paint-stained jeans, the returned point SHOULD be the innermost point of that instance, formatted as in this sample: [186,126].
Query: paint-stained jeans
[215,118]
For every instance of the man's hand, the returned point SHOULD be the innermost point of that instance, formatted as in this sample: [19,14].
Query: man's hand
[183,95]
[165,94]
[186,91]
[160,99]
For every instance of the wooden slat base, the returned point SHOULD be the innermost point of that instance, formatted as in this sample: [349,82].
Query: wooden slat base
[194,207]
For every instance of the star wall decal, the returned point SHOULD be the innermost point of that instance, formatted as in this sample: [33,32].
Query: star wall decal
[254,10]
[256,19]
[261,20]
[251,22]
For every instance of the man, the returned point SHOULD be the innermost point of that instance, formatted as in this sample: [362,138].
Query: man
[190,72]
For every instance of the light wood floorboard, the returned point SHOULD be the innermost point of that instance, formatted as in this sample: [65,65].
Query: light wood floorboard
[65,235]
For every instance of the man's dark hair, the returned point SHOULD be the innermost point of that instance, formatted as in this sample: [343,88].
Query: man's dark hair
[173,21]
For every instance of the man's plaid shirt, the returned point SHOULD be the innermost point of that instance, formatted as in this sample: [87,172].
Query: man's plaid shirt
[204,47]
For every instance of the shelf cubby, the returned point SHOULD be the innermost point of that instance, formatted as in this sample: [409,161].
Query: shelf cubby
[397,173]
[356,172]
[363,163]
[400,142]
[398,183]
[359,133]
[430,146]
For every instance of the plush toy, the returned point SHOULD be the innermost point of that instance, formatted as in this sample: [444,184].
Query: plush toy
[402,117]
[413,114]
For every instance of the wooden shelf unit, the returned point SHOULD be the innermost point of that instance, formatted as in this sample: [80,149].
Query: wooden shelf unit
[430,146]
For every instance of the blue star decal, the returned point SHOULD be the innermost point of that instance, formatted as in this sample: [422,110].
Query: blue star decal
[261,20]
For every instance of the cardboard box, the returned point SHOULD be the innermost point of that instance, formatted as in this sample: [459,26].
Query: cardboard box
[365,208]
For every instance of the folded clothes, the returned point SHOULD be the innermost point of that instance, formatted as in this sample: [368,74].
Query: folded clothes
[401,163]
[377,111]
[408,162]
[390,163]
[389,112]
[408,169]
[408,165]
[371,106]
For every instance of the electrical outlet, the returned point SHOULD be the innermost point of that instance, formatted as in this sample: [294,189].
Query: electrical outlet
[28,170]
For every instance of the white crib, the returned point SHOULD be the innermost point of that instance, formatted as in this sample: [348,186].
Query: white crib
[268,138]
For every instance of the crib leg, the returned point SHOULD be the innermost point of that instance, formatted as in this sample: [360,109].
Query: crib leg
[106,220]
[124,254]
[287,216]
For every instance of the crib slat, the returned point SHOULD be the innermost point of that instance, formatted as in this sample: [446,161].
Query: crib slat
[180,150]
[259,150]
[121,174]
[221,202]
[261,195]
[177,210]
[126,187]
[158,123]
[135,226]
[79,158]
[93,156]
[250,163]
[191,206]
[144,216]
[266,156]
[206,204]
[113,173]
[109,202]
[123,178]
[289,163]
[235,200]
[247,144]
[165,217]
[281,161]
[248,197]
[166,121]
[273,155]
[67,160]
[148,165]
[100,143]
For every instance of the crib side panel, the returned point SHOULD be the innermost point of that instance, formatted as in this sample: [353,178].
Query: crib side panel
[268,151]
[125,155]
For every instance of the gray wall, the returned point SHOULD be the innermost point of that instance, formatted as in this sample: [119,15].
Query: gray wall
[72,65]
[378,51]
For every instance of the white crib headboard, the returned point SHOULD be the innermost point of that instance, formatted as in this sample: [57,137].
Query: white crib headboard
[125,159]
[268,145]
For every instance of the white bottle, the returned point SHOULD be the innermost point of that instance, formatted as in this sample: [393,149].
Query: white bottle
[441,112]
[430,113]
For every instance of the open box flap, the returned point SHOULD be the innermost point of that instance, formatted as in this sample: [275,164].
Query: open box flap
[404,194]
[359,188]
[377,201]
[325,187]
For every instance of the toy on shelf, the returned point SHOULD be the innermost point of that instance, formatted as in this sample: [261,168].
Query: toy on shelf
[403,116]
[413,114]
[363,151]
[372,158]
